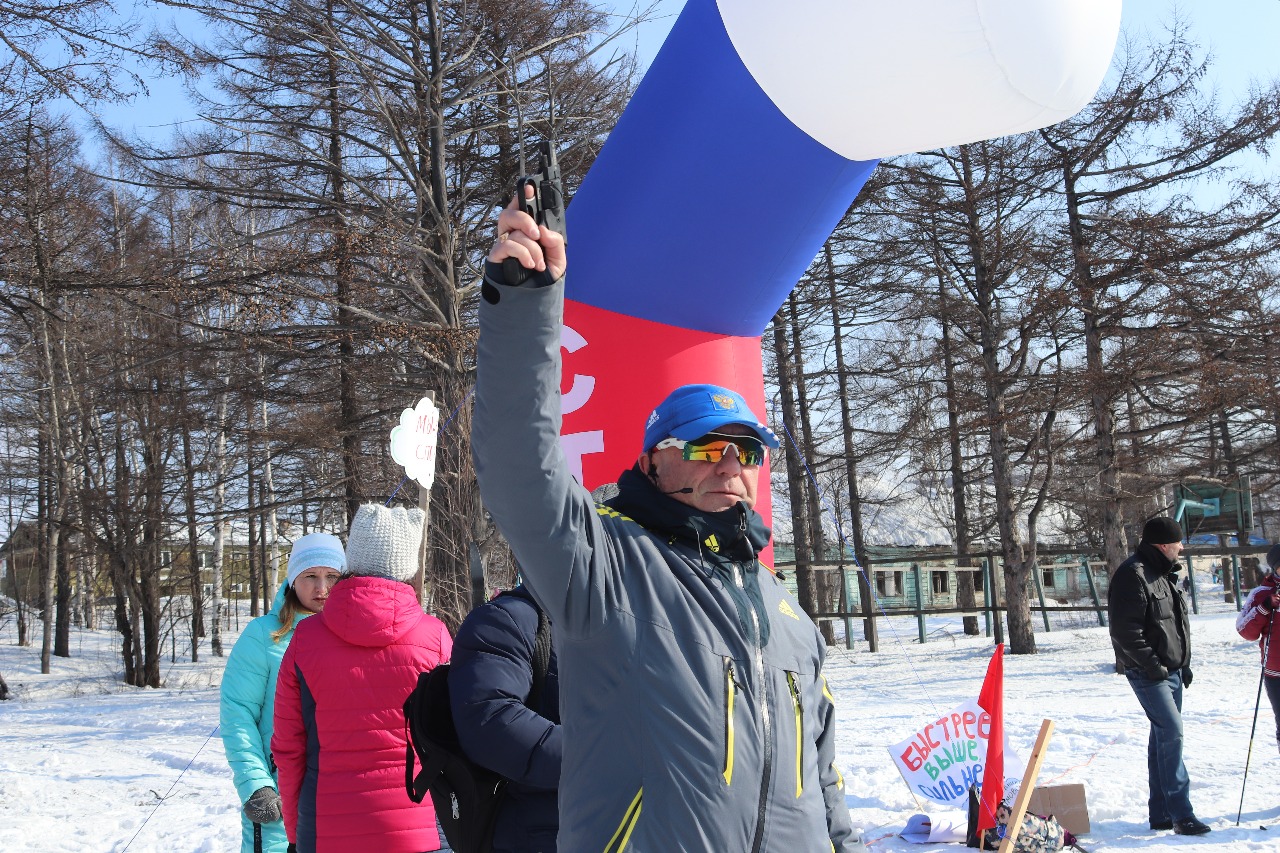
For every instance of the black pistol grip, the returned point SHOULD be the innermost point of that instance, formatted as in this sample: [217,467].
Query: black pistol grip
[514,272]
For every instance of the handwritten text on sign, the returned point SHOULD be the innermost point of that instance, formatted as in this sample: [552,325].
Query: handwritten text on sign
[944,757]
[413,442]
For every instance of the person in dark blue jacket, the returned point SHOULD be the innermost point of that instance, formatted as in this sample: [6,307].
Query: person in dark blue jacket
[490,679]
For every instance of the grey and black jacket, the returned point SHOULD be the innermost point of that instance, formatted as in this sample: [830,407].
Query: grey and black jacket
[694,709]
[1150,629]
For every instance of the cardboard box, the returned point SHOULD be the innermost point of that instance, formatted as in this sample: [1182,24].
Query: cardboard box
[1064,802]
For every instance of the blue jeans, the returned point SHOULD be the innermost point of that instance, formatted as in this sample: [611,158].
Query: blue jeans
[1166,774]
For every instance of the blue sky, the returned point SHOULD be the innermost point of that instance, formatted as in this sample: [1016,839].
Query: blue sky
[1242,34]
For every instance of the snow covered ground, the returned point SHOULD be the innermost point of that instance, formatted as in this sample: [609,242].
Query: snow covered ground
[88,765]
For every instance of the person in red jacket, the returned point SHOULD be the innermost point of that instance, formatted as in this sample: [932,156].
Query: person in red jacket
[339,739]
[1257,622]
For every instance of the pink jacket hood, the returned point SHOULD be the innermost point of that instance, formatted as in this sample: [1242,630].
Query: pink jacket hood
[371,612]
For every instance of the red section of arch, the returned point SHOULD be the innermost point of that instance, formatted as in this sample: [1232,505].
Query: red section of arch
[617,368]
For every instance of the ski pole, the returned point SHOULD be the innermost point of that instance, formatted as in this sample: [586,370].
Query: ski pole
[1266,648]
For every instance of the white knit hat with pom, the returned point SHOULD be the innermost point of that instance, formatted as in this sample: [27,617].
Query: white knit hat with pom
[384,542]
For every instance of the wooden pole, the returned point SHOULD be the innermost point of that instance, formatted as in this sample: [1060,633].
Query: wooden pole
[920,621]
[424,501]
[919,805]
[1028,785]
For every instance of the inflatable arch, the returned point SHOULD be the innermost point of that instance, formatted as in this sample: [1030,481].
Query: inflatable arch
[743,146]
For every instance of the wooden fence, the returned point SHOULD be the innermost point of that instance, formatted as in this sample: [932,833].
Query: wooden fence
[1064,582]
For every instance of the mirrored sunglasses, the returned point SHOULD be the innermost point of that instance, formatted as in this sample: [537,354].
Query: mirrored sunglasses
[713,447]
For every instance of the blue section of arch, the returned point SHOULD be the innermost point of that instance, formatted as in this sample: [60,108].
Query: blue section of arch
[706,204]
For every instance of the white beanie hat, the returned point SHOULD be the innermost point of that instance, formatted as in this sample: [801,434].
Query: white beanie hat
[384,542]
[315,549]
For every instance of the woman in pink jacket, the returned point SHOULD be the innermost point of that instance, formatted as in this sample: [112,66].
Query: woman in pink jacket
[339,739]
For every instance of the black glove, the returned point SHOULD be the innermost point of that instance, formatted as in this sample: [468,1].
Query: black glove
[293,848]
[1157,673]
[1186,676]
[263,806]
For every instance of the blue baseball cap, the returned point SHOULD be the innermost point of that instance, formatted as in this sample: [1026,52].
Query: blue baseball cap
[692,411]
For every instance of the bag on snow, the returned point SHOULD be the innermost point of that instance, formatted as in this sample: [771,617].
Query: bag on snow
[1038,834]
[466,796]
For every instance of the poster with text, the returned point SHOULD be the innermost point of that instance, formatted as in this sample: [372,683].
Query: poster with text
[942,758]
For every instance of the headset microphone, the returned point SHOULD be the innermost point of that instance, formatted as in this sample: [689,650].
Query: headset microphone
[653,475]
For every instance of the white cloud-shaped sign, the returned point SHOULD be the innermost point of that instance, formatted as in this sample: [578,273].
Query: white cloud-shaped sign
[413,442]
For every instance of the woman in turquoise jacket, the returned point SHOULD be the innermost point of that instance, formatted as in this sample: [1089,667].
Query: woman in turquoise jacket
[249,687]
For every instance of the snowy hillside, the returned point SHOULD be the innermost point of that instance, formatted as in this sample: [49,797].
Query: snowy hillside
[86,765]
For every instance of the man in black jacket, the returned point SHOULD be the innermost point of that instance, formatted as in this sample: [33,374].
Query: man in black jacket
[1152,638]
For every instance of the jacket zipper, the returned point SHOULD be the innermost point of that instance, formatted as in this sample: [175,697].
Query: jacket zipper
[731,688]
[766,722]
[792,682]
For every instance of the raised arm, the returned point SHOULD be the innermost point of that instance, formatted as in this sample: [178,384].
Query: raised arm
[549,520]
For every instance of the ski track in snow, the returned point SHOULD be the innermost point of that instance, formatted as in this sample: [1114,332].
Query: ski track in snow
[87,764]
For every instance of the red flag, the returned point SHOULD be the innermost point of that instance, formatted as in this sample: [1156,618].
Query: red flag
[991,699]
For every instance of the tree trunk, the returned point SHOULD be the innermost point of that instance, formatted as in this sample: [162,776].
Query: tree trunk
[219,525]
[56,492]
[457,516]
[1017,563]
[966,594]
[822,581]
[89,577]
[271,561]
[795,479]
[62,601]
[195,582]
[251,516]
[48,575]
[262,542]
[344,275]
[850,460]
[1100,398]
[154,476]
[121,593]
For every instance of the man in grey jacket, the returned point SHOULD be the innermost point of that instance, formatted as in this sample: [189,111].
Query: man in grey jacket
[694,708]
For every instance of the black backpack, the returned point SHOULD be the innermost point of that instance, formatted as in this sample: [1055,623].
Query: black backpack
[466,796]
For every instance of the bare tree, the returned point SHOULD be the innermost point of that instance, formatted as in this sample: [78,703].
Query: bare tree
[72,49]
[373,141]
[1140,239]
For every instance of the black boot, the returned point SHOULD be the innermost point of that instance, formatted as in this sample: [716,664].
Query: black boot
[1191,826]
